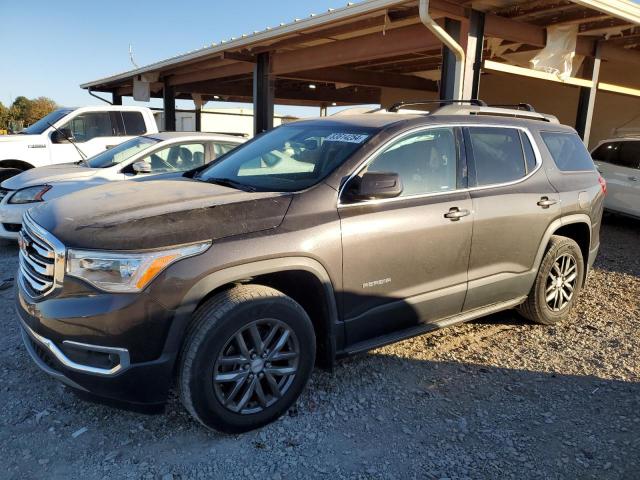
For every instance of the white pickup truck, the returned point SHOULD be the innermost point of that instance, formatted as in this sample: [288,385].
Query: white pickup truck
[71,134]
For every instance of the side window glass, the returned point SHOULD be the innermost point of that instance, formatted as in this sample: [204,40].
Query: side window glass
[133,123]
[221,148]
[176,158]
[86,126]
[607,152]
[568,151]
[497,155]
[529,154]
[630,155]
[426,161]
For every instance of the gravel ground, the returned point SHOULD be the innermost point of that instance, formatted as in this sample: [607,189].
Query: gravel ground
[497,398]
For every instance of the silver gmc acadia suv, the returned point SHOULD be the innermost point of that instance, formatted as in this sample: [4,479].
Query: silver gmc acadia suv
[317,240]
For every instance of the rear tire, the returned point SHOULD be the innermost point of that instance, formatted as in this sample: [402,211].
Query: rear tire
[558,283]
[246,358]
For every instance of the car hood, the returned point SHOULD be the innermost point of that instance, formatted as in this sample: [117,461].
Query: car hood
[19,138]
[143,215]
[49,174]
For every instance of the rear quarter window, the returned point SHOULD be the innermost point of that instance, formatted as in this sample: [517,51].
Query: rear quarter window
[568,151]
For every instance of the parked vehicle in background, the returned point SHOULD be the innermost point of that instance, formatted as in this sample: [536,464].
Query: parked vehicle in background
[618,160]
[319,239]
[67,135]
[148,155]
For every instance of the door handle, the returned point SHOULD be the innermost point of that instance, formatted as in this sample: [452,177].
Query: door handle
[545,202]
[454,214]
[633,179]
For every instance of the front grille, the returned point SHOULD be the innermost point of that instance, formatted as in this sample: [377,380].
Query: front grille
[43,354]
[37,263]
[12,227]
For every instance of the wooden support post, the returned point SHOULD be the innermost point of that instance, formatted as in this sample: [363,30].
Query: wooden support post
[473,62]
[448,72]
[587,101]
[263,94]
[169,99]
[116,98]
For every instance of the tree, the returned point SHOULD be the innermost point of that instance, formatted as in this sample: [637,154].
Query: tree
[20,108]
[4,117]
[38,108]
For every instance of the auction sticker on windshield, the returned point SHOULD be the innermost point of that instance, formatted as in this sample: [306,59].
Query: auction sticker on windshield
[346,137]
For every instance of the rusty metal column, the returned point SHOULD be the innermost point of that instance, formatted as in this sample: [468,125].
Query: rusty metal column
[169,100]
[587,101]
[263,94]
[448,72]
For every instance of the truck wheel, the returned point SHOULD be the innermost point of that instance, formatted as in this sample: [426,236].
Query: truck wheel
[557,284]
[246,359]
[8,173]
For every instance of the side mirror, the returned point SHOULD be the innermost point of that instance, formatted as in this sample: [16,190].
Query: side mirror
[62,135]
[376,185]
[141,167]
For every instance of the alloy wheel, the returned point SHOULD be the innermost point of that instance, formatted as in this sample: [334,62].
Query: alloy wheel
[256,367]
[561,282]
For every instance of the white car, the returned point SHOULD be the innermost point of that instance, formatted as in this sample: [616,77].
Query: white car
[72,134]
[160,153]
[618,161]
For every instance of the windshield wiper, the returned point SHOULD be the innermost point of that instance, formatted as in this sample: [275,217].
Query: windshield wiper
[227,182]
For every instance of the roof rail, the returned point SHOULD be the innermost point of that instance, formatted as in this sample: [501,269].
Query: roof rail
[397,106]
[516,106]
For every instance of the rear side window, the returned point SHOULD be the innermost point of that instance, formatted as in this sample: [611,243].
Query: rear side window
[607,152]
[133,123]
[630,155]
[497,155]
[568,151]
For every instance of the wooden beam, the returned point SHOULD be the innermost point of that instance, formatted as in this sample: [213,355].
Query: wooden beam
[587,100]
[239,57]
[359,49]
[231,70]
[365,78]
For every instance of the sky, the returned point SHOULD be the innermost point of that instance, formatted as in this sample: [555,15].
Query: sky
[50,48]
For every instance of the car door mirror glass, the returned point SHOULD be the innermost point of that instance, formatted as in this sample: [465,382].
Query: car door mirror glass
[141,167]
[62,135]
[376,185]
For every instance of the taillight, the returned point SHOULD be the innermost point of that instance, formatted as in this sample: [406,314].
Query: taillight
[603,184]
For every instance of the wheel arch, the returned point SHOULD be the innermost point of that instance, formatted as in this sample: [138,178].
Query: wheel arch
[18,164]
[301,278]
[577,227]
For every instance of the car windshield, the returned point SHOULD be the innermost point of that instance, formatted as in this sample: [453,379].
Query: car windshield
[289,158]
[42,124]
[121,152]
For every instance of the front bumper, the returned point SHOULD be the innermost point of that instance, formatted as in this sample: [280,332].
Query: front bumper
[11,218]
[60,345]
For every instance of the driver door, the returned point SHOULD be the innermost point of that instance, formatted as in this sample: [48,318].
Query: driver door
[405,259]
[92,132]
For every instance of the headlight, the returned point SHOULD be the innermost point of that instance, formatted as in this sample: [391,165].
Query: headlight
[29,194]
[126,272]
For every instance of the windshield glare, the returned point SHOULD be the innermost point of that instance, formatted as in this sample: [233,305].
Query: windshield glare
[289,158]
[121,152]
[42,124]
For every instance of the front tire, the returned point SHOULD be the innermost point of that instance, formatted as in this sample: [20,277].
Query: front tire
[558,283]
[246,359]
